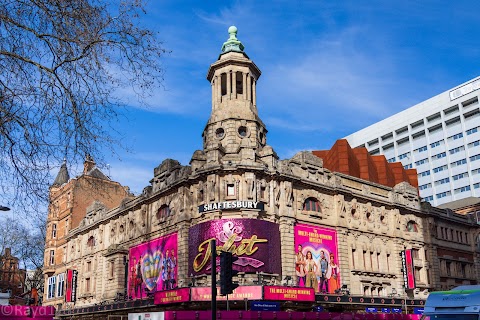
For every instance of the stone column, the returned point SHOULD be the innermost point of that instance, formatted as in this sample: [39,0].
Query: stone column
[287,247]
[254,93]
[229,84]
[249,93]
[244,85]
[182,253]
[218,83]
[234,84]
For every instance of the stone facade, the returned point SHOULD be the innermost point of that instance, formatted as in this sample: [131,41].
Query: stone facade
[374,222]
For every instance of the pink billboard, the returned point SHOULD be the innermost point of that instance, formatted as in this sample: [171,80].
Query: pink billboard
[316,258]
[288,293]
[255,242]
[153,266]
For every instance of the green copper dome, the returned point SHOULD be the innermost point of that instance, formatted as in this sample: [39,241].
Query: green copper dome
[232,44]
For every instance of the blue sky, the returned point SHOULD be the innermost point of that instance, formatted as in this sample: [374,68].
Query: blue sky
[329,68]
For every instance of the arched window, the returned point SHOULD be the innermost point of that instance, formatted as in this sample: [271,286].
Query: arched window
[412,226]
[312,204]
[163,212]
[91,242]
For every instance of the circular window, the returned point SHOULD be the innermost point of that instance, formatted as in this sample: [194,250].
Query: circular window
[242,131]
[219,133]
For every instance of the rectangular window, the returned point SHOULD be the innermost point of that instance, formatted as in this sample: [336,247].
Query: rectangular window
[416,253]
[87,285]
[424,173]
[450,110]
[441,168]
[112,268]
[408,166]
[460,176]
[425,186]
[419,162]
[475,157]
[457,149]
[89,266]
[230,189]
[456,136]
[51,287]
[440,155]
[417,274]
[54,231]
[378,261]
[353,258]
[473,130]
[402,156]
[433,117]
[421,149]
[474,144]
[458,163]
[452,121]
[443,195]
[61,284]
[436,144]
[429,198]
[388,262]
[365,260]
[462,189]
[52,257]
[391,159]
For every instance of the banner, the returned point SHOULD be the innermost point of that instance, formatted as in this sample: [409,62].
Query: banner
[316,258]
[240,293]
[408,269]
[71,286]
[288,293]
[152,266]
[255,242]
[172,296]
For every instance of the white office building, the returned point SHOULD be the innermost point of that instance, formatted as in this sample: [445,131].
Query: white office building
[440,137]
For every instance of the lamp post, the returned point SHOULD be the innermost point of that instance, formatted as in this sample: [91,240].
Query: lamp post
[2,208]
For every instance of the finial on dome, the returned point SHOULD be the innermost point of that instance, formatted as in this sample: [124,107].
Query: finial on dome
[232,44]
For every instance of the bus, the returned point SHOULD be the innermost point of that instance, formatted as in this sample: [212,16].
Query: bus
[460,303]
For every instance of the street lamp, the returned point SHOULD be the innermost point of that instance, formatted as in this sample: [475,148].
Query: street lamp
[2,208]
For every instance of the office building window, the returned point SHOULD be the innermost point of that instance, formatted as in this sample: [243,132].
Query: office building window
[408,166]
[419,162]
[441,168]
[428,198]
[425,186]
[473,130]
[391,159]
[462,189]
[421,149]
[460,176]
[457,149]
[474,144]
[475,157]
[456,136]
[424,173]
[443,194]
[436,144]
[440,155]
[402,156]
[458,162]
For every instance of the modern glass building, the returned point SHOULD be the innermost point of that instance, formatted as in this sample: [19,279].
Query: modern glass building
[440,137]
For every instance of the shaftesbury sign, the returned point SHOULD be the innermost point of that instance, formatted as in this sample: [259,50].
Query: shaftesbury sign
[231,205]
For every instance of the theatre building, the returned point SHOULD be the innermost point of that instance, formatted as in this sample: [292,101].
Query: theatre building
[327,229]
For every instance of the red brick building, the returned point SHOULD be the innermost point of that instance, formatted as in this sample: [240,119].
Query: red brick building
[12,278]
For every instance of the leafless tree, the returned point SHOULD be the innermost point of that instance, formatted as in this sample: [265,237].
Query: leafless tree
[66,67]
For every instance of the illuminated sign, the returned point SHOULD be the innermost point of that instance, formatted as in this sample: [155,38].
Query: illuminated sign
[231,205]
[408,269]
[288,293]
[172,296]
[255,242]
[240,293]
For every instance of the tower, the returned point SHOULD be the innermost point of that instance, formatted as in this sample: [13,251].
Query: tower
[234,133]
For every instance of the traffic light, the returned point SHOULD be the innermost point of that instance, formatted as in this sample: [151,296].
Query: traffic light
[227,273]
